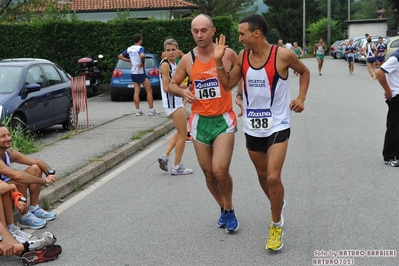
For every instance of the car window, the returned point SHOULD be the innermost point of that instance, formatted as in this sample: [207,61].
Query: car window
[63,72]
[394,44]
[149,62]
[9,79]
[35,76]
[53,77]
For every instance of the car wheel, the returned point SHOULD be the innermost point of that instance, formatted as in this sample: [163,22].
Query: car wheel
[18,123]
[69,123]
[114,97]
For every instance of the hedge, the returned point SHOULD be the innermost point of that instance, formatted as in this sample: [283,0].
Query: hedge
[66,42]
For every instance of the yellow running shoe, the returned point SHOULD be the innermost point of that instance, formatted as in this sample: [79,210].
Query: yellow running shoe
[275,241]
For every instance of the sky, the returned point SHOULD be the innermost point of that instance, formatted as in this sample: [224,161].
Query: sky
[262,8]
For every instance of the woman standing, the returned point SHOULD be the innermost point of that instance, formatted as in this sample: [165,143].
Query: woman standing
[174,108]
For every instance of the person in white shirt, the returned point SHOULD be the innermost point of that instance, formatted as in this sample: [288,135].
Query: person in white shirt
[388,77]
[136,55]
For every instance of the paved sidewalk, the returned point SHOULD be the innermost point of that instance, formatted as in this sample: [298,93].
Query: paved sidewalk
[79,158]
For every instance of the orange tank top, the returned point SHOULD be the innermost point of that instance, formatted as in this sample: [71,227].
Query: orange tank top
[212,99]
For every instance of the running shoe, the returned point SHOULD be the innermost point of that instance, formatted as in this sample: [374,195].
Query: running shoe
[46,239]
[31,222]
[181,170]
[275,241]
[232,223]
[163,162]
[20,235]
[189,139]
[222,220]
[153,112]
[392,162]
[44,255]
[372,78]
[44,215]
[139,113]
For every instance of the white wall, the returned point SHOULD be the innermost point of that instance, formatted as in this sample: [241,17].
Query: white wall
[374,29]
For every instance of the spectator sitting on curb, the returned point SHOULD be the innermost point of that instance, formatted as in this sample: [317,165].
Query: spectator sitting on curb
[30,178]
[33,251]
[9,197]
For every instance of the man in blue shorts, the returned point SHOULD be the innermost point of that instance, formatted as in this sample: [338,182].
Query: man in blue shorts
[135,54]
[369,50]
[381,52]
[350,51]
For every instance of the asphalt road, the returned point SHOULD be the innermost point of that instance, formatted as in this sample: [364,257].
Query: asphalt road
[340,196]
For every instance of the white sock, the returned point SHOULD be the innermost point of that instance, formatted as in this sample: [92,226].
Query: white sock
[33,208]
[277,224]
[10,227]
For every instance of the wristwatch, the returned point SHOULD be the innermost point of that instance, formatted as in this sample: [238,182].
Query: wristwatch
[1,238]
[23,199]
[50,172]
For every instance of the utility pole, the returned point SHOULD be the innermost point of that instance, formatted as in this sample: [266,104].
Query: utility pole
[304,26]
[349,9]
[328,23]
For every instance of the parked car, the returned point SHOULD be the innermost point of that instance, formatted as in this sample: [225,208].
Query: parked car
[362,44]
[121,80]
[392,45]
[333,49]
[35,94]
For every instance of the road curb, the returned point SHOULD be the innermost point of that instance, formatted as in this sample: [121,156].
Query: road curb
[70,183]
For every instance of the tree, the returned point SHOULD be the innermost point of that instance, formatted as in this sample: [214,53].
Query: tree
[236,8]
[12,11]
[21,10]
[319,30]
[368,9]
[392,10]
[286,17]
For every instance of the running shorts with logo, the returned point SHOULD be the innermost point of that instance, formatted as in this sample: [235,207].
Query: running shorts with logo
[205,129]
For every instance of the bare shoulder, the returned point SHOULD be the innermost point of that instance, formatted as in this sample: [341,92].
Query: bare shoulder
[285,53]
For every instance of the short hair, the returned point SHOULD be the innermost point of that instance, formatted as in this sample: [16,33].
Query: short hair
[256,22]
[170,41]
[2,125]
[380,37]
[137,37]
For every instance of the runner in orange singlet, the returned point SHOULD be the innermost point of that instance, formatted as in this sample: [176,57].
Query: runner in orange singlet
[212,121]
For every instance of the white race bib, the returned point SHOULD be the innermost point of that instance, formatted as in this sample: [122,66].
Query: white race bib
[259,118]
[207,89]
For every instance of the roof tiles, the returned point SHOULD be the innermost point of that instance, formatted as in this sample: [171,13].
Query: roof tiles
[98,5]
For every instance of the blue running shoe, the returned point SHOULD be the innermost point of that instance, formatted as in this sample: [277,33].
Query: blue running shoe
[44,215]
[222,220]
[232,223]
[31,222]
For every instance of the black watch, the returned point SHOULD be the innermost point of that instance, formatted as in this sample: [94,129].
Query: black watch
[23,199]
[50,172]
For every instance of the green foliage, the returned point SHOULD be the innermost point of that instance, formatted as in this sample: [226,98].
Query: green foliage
[22,141]
[64,42]
[319,30]
[368,9]
[285,19]
[392,11]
